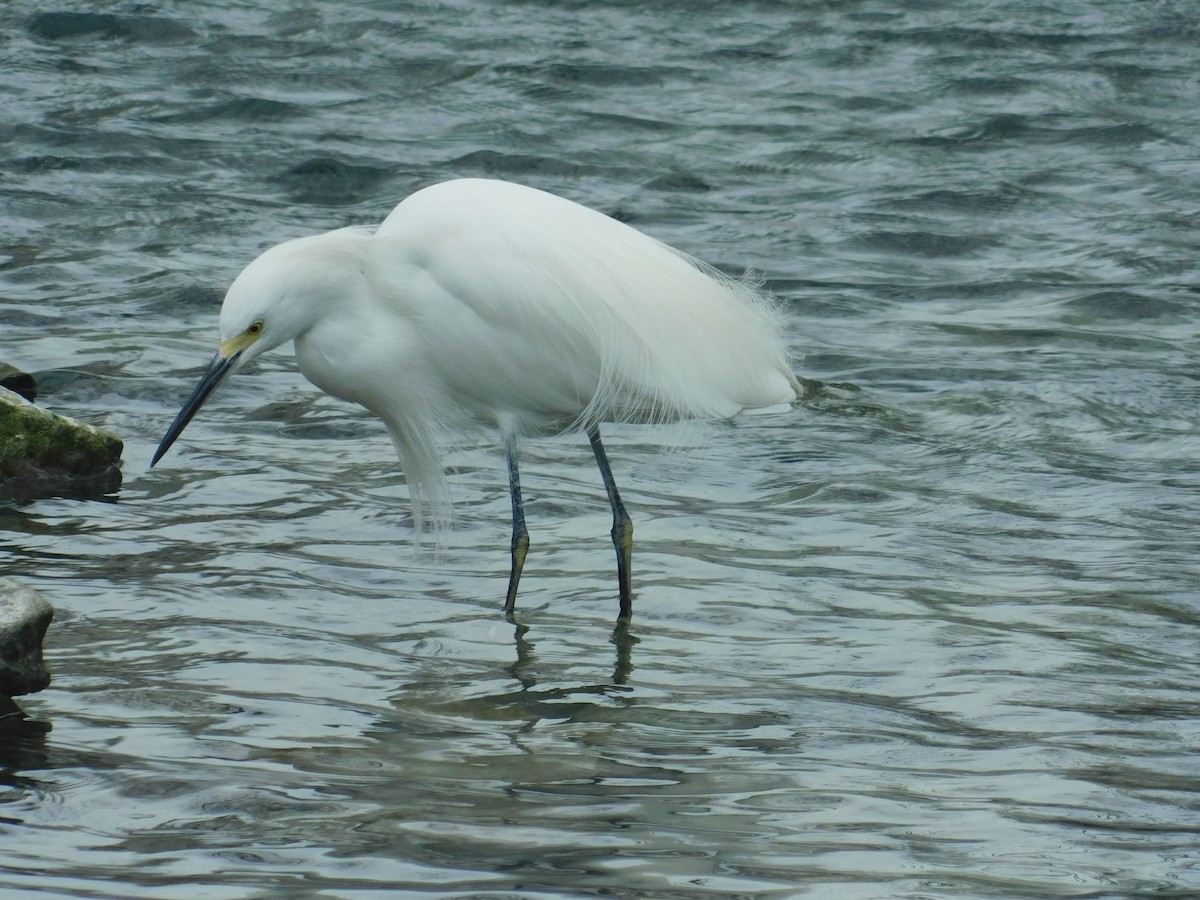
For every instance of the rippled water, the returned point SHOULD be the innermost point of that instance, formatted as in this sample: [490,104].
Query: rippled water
[934,637]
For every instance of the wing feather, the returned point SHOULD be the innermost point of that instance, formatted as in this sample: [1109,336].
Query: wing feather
[536,306]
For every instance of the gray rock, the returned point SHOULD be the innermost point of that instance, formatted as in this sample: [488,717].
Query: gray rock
[41,452]
[24,617]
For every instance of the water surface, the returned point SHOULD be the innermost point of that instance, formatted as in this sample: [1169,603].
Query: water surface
[932,637]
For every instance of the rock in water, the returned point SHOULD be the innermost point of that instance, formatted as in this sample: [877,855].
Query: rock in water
[24,617]
[18,382]
[43,453]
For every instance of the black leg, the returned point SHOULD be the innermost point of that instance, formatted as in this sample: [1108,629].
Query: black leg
[520,535]
[622,530]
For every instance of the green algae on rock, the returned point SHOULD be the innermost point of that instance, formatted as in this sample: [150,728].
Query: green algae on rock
[41,451]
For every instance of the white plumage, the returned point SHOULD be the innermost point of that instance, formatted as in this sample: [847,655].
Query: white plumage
[489,301]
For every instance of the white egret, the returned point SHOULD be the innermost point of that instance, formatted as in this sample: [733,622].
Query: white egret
[486,301]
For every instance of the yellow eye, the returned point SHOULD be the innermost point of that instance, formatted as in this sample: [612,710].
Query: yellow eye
[256,328]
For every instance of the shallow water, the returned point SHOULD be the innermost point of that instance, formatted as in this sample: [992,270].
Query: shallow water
[932,637]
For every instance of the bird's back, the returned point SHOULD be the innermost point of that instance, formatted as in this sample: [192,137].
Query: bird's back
[542,308]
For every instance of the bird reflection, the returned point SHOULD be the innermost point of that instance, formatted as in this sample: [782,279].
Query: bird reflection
[522,667]
[623,641]
[525,657]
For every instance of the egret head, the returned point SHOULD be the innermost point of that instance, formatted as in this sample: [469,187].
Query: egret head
[275,299]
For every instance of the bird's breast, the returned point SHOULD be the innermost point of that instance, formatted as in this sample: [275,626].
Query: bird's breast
[343,364]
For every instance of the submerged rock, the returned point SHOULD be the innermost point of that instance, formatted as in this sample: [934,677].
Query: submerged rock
[18,382]
[24,617]
[41,452]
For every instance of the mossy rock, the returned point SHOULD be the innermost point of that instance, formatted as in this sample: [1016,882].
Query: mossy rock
[43,452]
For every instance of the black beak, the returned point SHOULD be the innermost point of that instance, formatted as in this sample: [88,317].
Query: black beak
[218,371]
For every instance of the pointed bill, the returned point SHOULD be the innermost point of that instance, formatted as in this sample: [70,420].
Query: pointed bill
[218,370]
